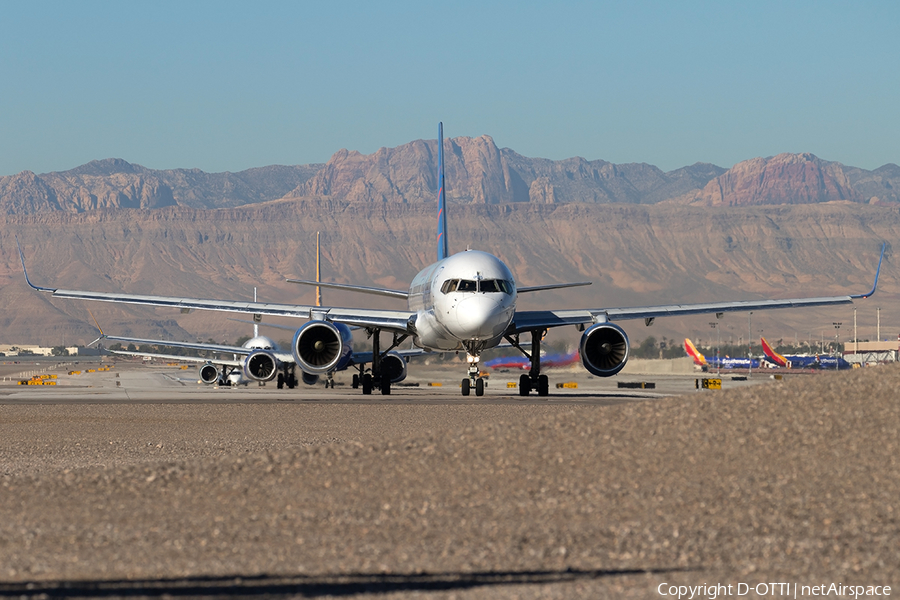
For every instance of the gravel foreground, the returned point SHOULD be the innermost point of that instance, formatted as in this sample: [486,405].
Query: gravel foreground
[793,482]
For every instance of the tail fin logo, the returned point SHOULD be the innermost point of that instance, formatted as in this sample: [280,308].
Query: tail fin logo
[772,355]
[692,351]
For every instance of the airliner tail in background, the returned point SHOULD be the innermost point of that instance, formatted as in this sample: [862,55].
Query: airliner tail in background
[718,362]
[692,351]
[773,356]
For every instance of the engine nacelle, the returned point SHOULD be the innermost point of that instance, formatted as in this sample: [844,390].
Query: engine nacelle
[260,365]
[309,378]
[209,374]
[322,346]
[604,349]
[393,366]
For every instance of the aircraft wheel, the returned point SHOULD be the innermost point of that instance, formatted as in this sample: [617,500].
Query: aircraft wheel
[524,385]
[479,387]
[355,381]
[367,384]
[280,381]
[385,387]
[543,386]
[466,386]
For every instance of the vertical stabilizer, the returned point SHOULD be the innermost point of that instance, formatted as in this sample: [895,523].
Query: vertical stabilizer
[318,273]
[443,251]
[692,351]
[255,322]
[770,353]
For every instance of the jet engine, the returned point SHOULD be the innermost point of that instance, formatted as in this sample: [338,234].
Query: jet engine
[309,378]
[322,346]
[604,349]
[393,366]
[260,365]
[209,374]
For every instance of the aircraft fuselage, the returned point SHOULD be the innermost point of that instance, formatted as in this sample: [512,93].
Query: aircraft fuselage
[465,301]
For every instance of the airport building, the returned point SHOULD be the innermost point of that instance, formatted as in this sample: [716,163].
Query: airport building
[866,353]
[30,350]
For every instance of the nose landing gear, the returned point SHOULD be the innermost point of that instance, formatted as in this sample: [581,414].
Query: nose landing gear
[473,380]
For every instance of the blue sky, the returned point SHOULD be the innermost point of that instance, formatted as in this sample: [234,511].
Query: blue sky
[225,86]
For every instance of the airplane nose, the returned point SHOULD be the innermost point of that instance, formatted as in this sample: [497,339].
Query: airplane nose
[479,316]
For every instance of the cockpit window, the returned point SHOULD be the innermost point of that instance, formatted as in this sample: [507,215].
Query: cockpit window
[483,286]
[496,285]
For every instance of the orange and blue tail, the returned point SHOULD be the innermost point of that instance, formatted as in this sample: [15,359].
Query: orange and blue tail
[692,351]
[770,353]
[443,251]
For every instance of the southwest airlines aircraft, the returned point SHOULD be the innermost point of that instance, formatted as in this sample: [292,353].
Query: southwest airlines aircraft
[463,302]
[714,362]
[803,361]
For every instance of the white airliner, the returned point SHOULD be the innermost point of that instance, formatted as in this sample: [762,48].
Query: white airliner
[260,360]
[464,302]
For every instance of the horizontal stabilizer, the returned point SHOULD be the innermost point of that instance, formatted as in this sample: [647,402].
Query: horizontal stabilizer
[353,288]
[174,344]
[178,357]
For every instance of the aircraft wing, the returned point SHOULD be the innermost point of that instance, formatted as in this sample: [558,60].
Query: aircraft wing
[531,320]
[544,319]
[389,320]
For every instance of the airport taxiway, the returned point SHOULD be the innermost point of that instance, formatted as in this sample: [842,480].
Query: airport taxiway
[149,485]
[129,382]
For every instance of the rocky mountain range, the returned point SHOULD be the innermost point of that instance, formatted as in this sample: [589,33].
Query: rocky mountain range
[636,255]
[781,226]
[114,183]
[478,172]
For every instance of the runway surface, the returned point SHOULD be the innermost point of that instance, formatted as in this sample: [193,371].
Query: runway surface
[139,482]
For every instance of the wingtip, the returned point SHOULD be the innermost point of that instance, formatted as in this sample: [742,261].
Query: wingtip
[25,271]
[877,274]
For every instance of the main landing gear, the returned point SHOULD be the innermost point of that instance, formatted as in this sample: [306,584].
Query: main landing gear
[376,379]
[366,381]
[287,378]
[473,380]
[533,380]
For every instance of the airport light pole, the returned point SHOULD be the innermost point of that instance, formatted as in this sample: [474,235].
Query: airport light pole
[837,328]
[750,344]
[715,325]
